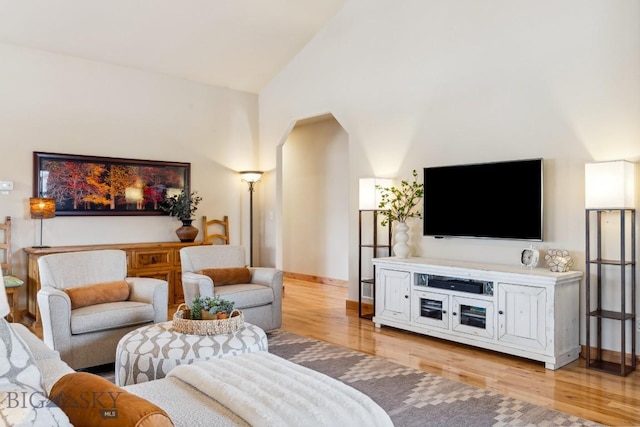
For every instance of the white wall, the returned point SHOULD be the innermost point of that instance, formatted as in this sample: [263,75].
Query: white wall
[437,82]
[315,226]
[60,104]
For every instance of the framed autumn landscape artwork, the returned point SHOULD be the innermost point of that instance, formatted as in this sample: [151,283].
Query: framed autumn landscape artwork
[87,185]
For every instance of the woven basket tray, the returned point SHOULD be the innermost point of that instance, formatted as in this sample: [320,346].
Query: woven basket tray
[183,324]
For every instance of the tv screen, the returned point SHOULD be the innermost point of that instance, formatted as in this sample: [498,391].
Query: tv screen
[499,200]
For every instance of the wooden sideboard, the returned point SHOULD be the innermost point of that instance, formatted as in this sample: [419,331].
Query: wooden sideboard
[157,260]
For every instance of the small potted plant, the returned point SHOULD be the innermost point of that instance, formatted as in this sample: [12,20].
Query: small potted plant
[209,308]
[224,308]
[183,206]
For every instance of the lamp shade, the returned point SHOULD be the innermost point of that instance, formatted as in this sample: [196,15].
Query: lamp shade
[370,196]
[4,304]
[42,207]
[251,176]
[609,185]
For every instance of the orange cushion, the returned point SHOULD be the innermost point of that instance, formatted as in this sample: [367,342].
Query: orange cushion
[227,276]
[98,293]
[90,400]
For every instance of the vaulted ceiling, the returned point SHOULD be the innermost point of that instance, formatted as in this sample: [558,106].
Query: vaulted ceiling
[239,44]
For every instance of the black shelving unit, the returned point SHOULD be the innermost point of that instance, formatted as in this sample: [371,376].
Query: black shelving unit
[596,312]
[379,245]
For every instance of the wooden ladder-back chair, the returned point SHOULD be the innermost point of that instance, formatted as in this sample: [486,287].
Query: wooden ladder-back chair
[216,231]
[5,246]
[12,284]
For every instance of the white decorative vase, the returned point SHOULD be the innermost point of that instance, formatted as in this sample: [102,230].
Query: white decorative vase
[401,249]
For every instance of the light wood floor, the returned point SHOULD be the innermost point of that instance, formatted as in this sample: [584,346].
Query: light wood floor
[318,311]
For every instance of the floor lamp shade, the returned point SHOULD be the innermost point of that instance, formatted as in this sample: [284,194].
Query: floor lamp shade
[251,176]
[610,185]
[370,196]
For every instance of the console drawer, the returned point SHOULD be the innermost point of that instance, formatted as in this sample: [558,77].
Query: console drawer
[152,258]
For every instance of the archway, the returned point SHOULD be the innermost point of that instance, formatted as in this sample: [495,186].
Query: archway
[313,165]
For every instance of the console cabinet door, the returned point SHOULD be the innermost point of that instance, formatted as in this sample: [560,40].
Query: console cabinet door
[392,294]
[430,309]
[522,315]
[472,316]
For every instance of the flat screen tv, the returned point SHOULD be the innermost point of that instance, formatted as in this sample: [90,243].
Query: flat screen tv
[498,200]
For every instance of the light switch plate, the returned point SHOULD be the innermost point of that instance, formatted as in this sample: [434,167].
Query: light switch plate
[6,185]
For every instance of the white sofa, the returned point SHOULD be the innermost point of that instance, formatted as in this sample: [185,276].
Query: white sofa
[320,398]
[185,405]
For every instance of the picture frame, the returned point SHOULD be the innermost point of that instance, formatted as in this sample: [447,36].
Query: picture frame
[92,185]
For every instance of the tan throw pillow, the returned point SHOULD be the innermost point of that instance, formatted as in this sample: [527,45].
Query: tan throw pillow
[90,400]
[98,293]
[227,276]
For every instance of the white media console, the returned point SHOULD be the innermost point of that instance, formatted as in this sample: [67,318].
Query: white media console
[531,313]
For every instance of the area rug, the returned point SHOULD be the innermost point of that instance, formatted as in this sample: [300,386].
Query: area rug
[412,397]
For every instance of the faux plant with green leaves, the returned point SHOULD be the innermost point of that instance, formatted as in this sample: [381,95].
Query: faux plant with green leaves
[399,204]
[211,304]
[182,205]
[224,306]
[196,309]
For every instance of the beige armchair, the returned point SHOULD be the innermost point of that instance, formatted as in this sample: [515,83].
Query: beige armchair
[260,299]
[88,335]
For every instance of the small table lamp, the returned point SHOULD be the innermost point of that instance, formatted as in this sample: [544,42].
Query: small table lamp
[42,208]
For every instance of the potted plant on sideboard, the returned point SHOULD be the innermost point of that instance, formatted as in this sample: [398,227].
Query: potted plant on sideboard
[183,206]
